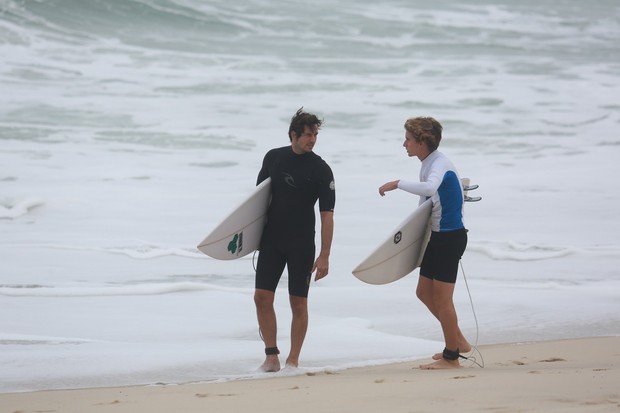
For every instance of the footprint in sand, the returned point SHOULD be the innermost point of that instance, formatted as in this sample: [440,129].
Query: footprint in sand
[552,360]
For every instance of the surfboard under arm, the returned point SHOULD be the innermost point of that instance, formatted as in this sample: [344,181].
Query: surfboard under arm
[240,232]
[404,248]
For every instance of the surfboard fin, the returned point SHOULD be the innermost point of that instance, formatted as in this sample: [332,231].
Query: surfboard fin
[466,188]
[472,198]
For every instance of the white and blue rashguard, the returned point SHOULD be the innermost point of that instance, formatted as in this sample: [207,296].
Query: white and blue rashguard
[440,182]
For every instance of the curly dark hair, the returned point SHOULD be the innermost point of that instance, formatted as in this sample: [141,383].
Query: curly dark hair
[302,119]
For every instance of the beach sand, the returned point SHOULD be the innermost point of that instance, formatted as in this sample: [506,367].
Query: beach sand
[577,375]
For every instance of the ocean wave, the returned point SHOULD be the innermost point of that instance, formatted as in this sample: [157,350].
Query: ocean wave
[516,251]
[176,140]
[146,252]
[140,252]
[107,290]
[249,26]
[146,23]
[29,340]
[497,250]
[10,210]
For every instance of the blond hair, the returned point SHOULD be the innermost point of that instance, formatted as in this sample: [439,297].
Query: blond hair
[425,129]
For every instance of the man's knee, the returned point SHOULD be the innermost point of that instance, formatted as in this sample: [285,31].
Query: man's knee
[263,298]
[424,294]
[299,305]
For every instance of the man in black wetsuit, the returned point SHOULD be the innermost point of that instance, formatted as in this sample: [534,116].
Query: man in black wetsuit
[299,178]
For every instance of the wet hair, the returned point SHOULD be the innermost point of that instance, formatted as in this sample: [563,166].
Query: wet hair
[425,129]
[302,119]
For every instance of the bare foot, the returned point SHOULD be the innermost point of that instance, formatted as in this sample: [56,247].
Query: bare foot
[292,363]
[464,347]
[271,364]
[441,365]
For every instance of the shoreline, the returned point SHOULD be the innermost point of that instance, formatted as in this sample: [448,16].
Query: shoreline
[574,375]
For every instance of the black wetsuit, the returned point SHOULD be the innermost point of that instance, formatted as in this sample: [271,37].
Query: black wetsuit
[297,182]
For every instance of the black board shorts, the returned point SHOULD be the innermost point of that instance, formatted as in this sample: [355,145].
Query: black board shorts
[297,256]
[442,255]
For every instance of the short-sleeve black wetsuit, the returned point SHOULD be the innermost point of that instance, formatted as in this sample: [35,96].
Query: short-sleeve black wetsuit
[297,182]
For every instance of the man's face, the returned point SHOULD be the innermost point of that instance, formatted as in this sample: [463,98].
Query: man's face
[413,148]
[304,143]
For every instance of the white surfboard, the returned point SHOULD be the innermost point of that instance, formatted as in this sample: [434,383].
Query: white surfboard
[240,232]
[402,251]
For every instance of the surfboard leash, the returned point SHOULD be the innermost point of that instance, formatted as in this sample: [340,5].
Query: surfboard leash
[254,260]
[472,359]
[475,346]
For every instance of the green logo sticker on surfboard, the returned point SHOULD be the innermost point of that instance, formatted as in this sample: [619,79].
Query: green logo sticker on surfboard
[236,244]
[240,232]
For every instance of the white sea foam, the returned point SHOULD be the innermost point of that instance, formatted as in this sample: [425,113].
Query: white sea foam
[19,208]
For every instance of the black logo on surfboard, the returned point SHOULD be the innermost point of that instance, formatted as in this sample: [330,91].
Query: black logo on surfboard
[397,237]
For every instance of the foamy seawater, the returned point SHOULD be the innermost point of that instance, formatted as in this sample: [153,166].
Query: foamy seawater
[129,129]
